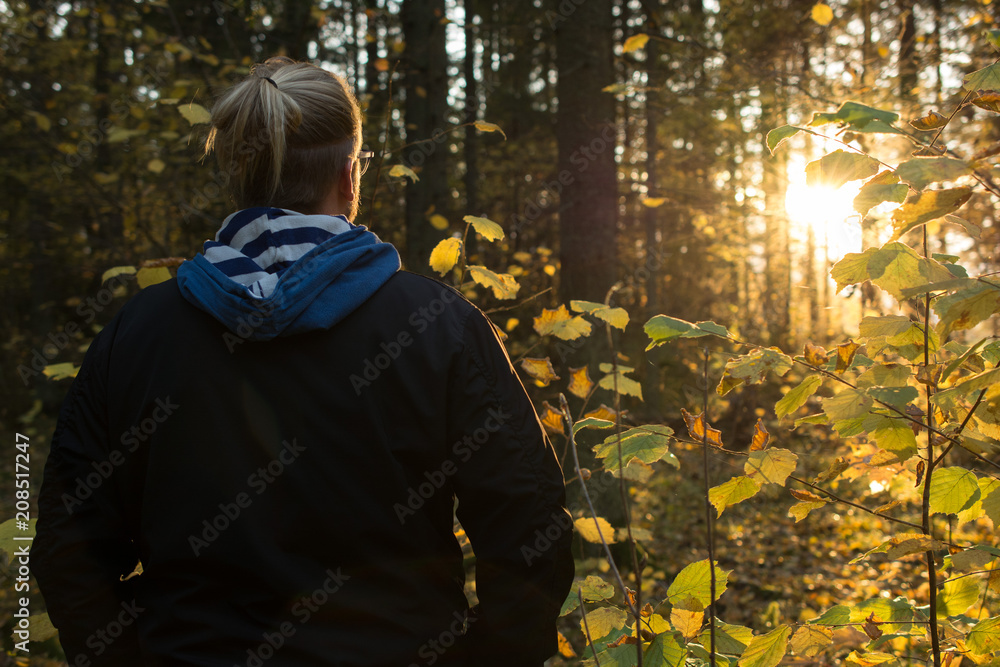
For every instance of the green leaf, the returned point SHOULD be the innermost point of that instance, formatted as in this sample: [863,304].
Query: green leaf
[993,37]
[897,397]
[732,492]
[873,194]
[894,267]
[770,466]
[810,640]
[952,490]
[731,639]
[751,368]
[859,117]
[591,422]
[195,113]
[888,325]
[967,387]
[991,507]
[966,308]
[839,167]
[893,435]
[798,396]
[503,284]
[984,637]
[661,329]
[402,171]
[648,443]
[987,78]
[959,594]
[603,621]
[40,628]
[616,317]
[848,404]
[485,227]
[483,126]
[625,385]
[837,615]
[663,651]
[693,584]
[884,375]
[594,589]
[921,171]
[929,205]
[897,612]
[767,650]
[779,135]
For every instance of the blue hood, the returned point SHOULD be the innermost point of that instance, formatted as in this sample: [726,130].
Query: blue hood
[316,291]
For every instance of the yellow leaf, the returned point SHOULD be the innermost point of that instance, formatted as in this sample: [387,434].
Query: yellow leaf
[551,419]
[549,270]
[60,371]
[883,51]
[540,369]
[438,221]
[483,126]
[561,324]
[152,276]
[108,20]
[799,511]
[195,113]
[485,227]
[116,271]
[445,255]
[156,165]
[401,171]
[822,14]
[653,202]
[580,384]
[603,621]
[68,149]
[588,529]
[102,178]
[43,123]
[634,43]
[604,412]
[688,623]
[503,284]
[511,324]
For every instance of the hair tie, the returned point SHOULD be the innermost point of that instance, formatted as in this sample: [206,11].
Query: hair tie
[271,81]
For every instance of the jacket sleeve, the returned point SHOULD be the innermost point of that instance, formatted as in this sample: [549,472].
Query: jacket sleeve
[81,550]
[511,502]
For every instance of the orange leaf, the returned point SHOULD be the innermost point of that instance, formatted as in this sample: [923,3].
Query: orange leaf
[696,427]
[760,437]
[551,419]
[540,369]
[815,355]
[988,101]
[805,496]
[931,121]
[604,412]
[580,383]
[565,648]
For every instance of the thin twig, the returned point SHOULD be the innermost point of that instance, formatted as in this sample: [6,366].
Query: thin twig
[709,522]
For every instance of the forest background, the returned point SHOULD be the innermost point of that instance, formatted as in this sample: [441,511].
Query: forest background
[599,176]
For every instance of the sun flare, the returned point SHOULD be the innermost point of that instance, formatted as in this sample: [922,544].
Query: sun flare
[829,212]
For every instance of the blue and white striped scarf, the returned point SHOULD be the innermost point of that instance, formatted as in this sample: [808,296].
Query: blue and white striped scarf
[254,252]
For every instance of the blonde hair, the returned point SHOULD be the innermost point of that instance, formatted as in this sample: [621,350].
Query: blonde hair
[283,134]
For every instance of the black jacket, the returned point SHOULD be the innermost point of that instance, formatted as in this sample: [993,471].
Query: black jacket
[291,501]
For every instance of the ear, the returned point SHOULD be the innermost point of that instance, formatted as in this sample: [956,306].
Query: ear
[346,182]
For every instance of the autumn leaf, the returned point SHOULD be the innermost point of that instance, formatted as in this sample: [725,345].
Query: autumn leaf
[932,121]
[552,419]
[485,227]
[815,355]
[592,529]
[696,428]
[195,114]
[580,384]
[822,14]
[692,585]
[402,171]
[438,222]
[539,369]
[561,324]
[151,276]
[483,126]
[845,355]
[634,43]
[605,413]
[503,284]
[760,437]
[445,255]
[772,466]
[616,317]
[733,492]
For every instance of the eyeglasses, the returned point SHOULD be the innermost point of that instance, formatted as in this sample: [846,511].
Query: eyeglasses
[364,158]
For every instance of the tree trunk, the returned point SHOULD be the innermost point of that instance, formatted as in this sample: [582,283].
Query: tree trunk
[585,132]
[426,85]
